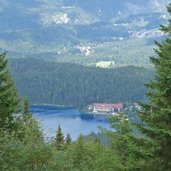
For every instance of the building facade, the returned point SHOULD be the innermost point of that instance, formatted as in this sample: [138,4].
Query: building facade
[107,108]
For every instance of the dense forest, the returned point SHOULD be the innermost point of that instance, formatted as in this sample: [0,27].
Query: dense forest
[22,146]
[45,82]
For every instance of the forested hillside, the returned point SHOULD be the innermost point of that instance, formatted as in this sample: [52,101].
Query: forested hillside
[82,32]
[131,146]
[70,84]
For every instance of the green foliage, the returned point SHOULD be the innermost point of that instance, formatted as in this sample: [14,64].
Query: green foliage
[79,151]
[59,139]
[68,140]
[36,156]
[124,158]
[70,84]
[9,101]
[26,110]
[115,51]
[156,114]
[27,154]
[27,149]
[84,155]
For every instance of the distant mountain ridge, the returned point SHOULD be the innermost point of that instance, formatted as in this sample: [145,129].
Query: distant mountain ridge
[54,29]
[77,11]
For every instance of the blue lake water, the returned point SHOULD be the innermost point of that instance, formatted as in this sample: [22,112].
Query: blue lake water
[71,120]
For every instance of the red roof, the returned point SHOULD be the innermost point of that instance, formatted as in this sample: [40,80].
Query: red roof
[115,106]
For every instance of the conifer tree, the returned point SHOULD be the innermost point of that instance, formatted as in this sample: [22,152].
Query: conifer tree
[59,140]
[68,140]
[156,115]
[122,147]
[26,112]
[80,154]
[31,127]
[9,101]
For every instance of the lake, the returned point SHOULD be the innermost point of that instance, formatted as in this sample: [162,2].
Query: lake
[70,119]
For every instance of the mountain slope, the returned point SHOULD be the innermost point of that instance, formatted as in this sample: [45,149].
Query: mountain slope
[69,84]
[72,30]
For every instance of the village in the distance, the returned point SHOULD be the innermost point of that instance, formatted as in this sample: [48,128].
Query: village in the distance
[111,108]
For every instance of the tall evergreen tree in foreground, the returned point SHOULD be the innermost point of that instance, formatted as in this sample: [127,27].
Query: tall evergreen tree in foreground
[9,101]
[156,115]
[123,157]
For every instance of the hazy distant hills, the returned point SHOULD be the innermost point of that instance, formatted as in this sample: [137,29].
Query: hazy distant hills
[108,10]
[52,12]
[84,32]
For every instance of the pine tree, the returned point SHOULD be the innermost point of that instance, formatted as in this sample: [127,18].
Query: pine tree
[26,112]
[156,115]
[122,148]
[80,151]
[9,101]
[68,140]
[59,140]
[31,126]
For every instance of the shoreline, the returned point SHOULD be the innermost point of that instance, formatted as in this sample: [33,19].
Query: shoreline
[82,111]
[52,105]
[70,107]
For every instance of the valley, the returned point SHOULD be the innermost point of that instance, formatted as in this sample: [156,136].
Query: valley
[85,85]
